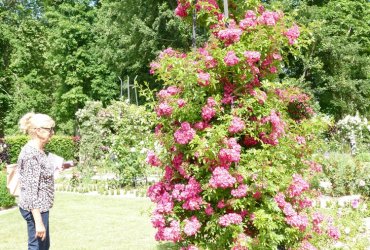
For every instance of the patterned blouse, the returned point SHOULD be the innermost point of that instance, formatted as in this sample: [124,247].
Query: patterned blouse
[36,180]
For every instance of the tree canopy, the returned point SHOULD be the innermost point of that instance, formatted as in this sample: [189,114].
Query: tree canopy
[57,55]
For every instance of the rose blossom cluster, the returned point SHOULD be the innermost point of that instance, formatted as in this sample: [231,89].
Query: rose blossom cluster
[249,141]
[152,159]
[300,220]
[208,111]
[228,97]
[182,8]
[317,219]
[277,129]
[259,95]
[237,125]
[170,233]
[209,61]
[314,166]
[170,52]
[252,57]
[230,218]
[164,109]
[158,193]
[166,93]
[306,245]
[230,35]
[221,178]
[184,134]
[210,6]
[333,233]
[298,186]
[301,140]
[189,193]
[230,154]
[299,107]
[153,67]
[269,18]
[192,226]
[203,78]
[292,34]
[249,21]
[240,242]
[292,217]
[177,164]
[240,192]
[231,59]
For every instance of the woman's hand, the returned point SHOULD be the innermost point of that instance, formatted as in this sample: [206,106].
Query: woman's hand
[40,228]
[40,231]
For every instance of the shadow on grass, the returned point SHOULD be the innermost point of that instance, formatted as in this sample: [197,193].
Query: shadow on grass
[167,246]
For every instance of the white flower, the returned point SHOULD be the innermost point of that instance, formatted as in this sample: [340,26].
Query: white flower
[361,183]
[347,230]
[327,155]
[143,150]
[325,184]
[133,149]
[364,207]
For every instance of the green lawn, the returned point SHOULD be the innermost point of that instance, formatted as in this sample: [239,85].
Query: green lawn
[88,222]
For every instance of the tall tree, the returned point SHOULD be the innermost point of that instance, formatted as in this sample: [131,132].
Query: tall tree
[77,74]
[23,74]
[336,65]
[132,32]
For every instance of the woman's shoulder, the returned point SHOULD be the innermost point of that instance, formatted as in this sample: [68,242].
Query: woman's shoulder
[28,152]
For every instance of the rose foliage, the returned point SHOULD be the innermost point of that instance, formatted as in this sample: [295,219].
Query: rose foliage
[237,144]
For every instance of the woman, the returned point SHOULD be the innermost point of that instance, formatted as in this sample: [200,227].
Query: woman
[36,179]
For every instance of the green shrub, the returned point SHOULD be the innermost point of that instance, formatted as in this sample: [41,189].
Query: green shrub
[363,157]
[113,139]
[6,200]
[15,144]
[63,146]
[347,174]
[350,223]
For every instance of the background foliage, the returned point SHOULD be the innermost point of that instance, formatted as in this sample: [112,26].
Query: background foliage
[64,146]
[56,55]
[115,139]
[6,200]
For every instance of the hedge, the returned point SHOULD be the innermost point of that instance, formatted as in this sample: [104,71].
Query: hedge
[6,200]
[63,146]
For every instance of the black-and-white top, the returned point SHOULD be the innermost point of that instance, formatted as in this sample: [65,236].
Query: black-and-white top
[36,180]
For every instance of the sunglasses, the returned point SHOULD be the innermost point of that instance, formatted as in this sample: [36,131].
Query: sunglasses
[48,129]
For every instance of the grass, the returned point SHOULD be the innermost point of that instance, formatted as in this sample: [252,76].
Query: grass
[99,222]
[80,222]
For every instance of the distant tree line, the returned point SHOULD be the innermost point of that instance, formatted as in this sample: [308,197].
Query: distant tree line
[57,55]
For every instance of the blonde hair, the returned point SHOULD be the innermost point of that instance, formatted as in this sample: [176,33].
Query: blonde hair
[31,120]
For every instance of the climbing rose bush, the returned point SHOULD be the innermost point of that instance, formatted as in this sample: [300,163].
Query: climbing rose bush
[237,143]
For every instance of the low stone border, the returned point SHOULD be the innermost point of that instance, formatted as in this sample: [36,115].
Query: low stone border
[128,194]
